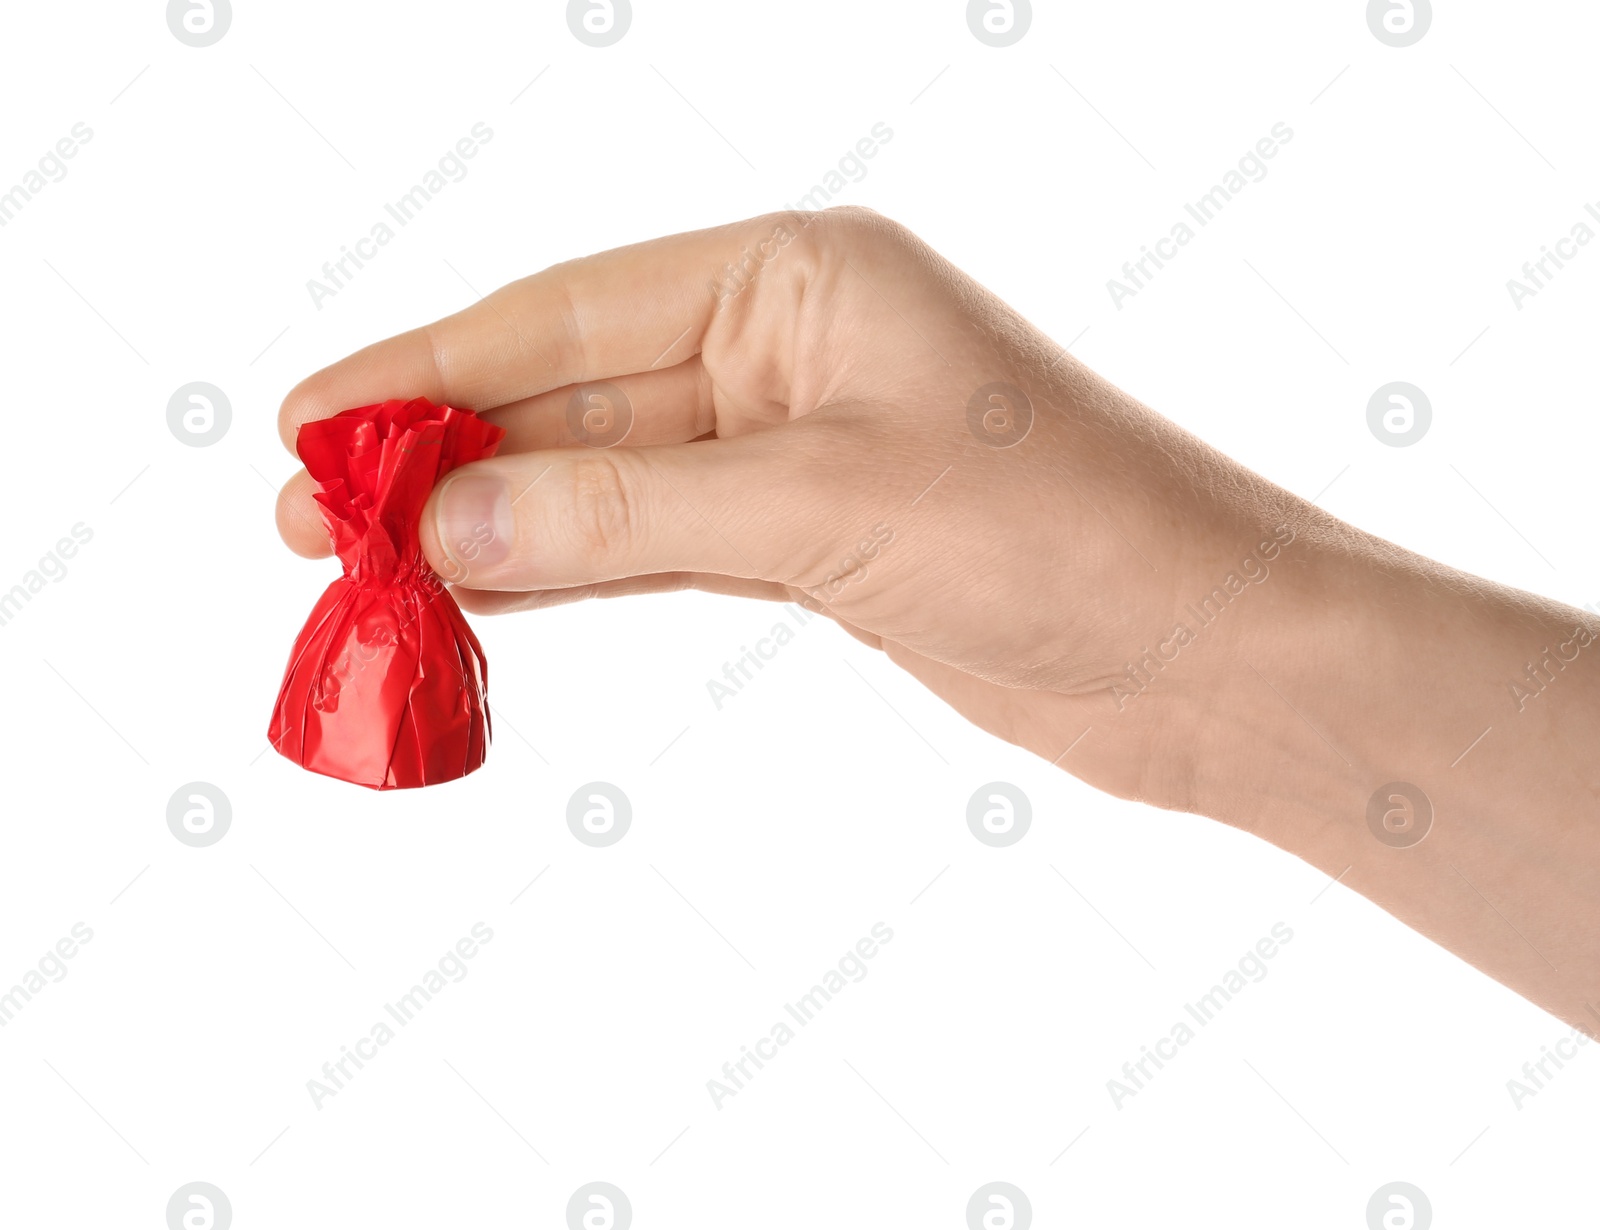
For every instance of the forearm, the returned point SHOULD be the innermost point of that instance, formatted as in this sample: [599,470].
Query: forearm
[1360,666]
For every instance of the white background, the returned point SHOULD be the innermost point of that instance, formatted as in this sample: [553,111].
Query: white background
[769,836]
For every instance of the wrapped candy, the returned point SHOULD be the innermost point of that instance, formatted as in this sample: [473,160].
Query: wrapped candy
[387,685]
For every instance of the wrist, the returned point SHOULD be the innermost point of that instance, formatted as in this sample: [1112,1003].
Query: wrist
[1424,736]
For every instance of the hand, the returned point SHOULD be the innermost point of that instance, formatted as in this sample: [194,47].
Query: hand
[798,394]
[818,408]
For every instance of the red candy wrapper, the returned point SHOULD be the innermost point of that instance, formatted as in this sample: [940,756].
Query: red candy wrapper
[387,685]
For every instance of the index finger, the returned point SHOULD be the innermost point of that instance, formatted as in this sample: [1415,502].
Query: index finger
[628,310]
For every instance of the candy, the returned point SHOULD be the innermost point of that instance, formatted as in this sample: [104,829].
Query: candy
[387,685]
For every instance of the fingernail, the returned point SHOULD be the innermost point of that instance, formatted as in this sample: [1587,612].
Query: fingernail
[475,522]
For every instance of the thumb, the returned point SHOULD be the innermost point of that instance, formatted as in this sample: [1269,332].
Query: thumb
[742,507]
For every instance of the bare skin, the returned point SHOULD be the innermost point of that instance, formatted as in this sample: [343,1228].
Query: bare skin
[816,409]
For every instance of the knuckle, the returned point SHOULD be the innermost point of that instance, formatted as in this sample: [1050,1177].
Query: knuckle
[571,353]
[540,306]
[858,226]
[865,239]
[602,514]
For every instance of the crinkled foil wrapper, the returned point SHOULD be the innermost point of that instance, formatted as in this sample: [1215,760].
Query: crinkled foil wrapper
[387,686]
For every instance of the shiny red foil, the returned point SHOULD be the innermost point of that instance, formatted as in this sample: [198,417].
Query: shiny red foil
[386,686]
